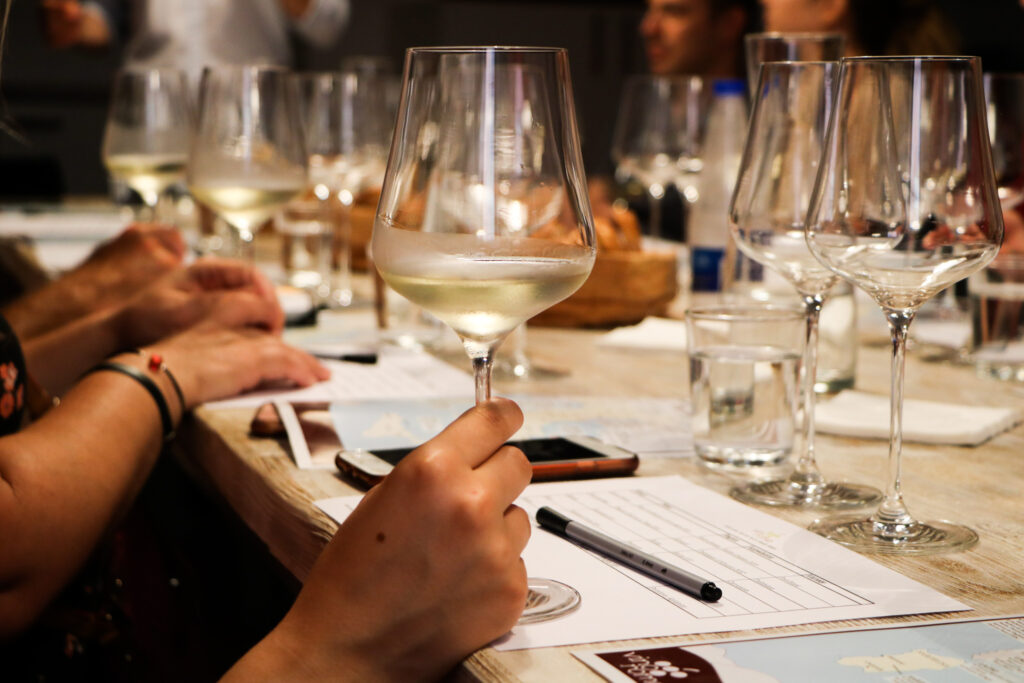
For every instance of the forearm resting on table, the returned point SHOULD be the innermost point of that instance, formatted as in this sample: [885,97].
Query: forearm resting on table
[59,357]
[64,480]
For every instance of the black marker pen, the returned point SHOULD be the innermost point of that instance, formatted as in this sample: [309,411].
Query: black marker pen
[628,555]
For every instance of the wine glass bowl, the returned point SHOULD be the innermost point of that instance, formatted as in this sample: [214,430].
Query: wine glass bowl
[484,218]
[248,156]
[767,214]
[657,138]
[148,131]
[905,205]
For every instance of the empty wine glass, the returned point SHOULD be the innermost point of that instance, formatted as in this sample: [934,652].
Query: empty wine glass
[657,136]
[148,132]
[787,46]
[766,216]
[248,158]
[484,218]
[905,205]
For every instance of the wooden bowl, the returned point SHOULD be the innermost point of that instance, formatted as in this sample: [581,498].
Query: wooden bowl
[624,288]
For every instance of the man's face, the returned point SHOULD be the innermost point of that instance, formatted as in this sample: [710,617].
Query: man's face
[790,15]
[679,36]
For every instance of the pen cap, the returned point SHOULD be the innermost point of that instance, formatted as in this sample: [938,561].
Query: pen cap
[550,519]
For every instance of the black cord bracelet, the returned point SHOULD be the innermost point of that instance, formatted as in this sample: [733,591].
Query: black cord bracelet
[155,362]
[149,385]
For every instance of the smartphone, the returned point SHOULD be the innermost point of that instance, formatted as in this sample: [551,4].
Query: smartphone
[570,457]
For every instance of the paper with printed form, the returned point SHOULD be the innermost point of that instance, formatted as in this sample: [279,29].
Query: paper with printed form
[771,572]
[398,374]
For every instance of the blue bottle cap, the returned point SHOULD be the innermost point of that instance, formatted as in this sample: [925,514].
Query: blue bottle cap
[729,86]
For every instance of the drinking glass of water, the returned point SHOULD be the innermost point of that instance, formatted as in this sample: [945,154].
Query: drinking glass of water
[744,383]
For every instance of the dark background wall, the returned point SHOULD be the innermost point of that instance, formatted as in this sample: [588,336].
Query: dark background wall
[58,99]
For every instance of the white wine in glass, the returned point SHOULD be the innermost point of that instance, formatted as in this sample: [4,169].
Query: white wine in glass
[248,157]
[484,219]
[780,163]
[148,132]
[905,205]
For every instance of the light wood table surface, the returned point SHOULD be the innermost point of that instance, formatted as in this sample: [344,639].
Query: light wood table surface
[981,487]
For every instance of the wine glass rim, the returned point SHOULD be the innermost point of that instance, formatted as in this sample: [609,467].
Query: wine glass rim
[474,49]
[134,69]
[804,35]
[897,59]
[238,68]
[752,312]
[801,62]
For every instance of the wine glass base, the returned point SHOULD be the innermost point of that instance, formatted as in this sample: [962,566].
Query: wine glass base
[922,538]
[548,599]
[830,496]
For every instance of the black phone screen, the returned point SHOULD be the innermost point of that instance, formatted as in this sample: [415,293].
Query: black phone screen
[536,450]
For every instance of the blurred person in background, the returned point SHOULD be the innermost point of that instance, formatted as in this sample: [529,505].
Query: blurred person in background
[698,37]
[191,34]
[871,27]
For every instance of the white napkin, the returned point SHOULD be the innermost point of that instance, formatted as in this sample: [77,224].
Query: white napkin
[651,333]
[853,413]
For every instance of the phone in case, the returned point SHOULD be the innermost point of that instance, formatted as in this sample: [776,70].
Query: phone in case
[569,457]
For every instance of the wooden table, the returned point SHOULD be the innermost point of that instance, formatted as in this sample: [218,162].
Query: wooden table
[980,486]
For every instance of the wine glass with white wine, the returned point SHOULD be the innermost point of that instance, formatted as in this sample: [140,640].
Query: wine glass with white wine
[248,156]
[905,205]
[148,132]
[792,102]
[484,218]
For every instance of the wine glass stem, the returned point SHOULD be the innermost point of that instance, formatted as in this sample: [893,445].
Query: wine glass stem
[482,365]
[892,518]
[654,215]
[806,473]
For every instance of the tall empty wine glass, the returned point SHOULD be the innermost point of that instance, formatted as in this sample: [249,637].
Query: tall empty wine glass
[905,205]
[484,218]
[767,213]
[248,158]
[658,131]
[148,132]
[796,46]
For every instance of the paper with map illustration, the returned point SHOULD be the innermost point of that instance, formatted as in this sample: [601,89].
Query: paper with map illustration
[646,426]
[966,652]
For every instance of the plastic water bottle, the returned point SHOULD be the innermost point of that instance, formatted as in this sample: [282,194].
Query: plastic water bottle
[708,224]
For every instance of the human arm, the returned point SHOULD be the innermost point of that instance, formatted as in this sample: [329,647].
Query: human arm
[111,275]
[66,477]
[229,292]
[424,571]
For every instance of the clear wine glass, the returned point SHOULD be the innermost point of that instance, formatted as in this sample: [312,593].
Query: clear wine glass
[248,158]
[790,46]
[905,205]
[148,132]
[346,132]
[766,216]
[657,137]
[484,218]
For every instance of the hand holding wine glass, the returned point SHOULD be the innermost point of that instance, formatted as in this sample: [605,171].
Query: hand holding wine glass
[767,213]
[248,157]
[905,205]
[484,218]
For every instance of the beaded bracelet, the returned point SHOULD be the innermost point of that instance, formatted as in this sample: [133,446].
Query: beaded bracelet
[149,385]
[155,362]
